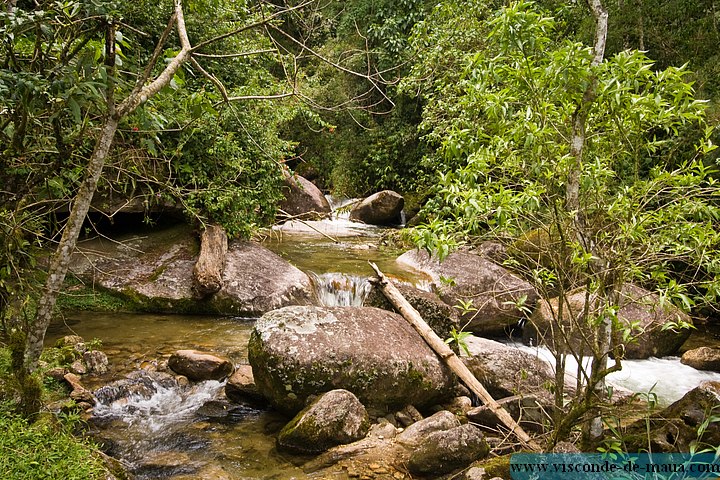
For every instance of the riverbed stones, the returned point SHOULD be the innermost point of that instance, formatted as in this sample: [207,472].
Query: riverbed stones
[241,386]
[302,198]
[381,208]
[334,418]
[703,358]
[639,308]
[200,366]
[444,451]
[154,272]
[496,297]
[297,351]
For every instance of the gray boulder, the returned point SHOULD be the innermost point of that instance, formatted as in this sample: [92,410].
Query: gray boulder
[677,427]
[334,418]
[637,306]
[296,352]
[416,433]
[506,371]
[154,273]
[448,450]
[382,208]
[200,366]
[494,293]
[302,198]
[703,358]
[440,316]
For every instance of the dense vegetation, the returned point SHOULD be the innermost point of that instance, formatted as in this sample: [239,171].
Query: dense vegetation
[499,118]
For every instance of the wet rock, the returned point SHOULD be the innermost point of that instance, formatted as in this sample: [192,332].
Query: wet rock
[382,208]
[302,198]
[676,428]
[78,367]
[636,305]
[140,383]
[448,450]
[494,292]
[79,393]
[297,352]
[440,316]
[155,273]
[703,358]
[200,366]
[334,418]
[241,386]
[160,464]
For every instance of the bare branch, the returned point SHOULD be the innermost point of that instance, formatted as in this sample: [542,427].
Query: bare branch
[234,55]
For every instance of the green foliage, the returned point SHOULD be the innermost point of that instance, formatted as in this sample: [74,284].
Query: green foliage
[44,450]
[458,339]
[503,126]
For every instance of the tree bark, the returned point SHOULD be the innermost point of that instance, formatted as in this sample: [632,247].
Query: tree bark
[60,260]
[208,270]
[449,357]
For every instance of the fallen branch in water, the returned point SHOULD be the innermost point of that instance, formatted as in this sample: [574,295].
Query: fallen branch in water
[449,357]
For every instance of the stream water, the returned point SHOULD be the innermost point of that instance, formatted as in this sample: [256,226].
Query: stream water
[169,431]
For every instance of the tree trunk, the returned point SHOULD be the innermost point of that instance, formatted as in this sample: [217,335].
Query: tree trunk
[60,260]
[208,270]
[449,357]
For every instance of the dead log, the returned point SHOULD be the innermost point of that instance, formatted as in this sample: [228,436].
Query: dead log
[208,270]
[449,357]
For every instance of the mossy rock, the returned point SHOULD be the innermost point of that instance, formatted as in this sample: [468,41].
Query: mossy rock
[297,352]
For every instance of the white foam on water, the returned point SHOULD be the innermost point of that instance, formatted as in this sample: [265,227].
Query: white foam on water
[163,408]
[340,289]
[666,377]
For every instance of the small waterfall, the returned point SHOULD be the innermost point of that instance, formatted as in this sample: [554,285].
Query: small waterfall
[340,289]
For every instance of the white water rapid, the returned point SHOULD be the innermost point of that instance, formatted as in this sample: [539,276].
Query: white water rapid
[666,377]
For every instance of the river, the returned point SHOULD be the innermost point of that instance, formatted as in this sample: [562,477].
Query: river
[169,434]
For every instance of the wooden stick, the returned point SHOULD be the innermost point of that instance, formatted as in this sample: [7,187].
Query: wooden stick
[449,357]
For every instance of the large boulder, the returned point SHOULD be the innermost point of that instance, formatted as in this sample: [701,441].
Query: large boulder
[200,366]
[703,358]
[334,418]
[638,307]
[382,208]
[497,297]
[155,273]
[302,198]
[506,371]
[678,427]
[300,351]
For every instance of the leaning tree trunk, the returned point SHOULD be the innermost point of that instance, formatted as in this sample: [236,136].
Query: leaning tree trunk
[60,260]
[450,359]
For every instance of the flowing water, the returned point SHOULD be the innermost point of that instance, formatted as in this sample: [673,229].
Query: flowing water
[167,430]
